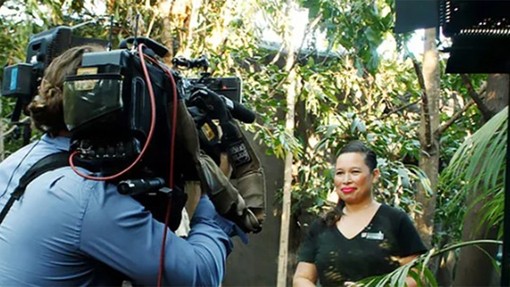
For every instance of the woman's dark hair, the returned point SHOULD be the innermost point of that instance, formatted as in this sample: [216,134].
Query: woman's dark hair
[360,147]
[46,109]
[370,160]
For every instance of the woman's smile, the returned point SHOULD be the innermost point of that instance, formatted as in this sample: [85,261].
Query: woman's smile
[347,189]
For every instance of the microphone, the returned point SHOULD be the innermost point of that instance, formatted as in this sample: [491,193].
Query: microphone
[238,111]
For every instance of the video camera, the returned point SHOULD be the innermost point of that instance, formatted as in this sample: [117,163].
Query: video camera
[110,94]
[121,108]
[21,80]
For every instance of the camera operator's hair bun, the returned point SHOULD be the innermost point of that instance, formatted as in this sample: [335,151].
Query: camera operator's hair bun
[46,109]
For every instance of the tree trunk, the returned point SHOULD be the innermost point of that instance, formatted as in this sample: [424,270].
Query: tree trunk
[475,267]
[291,85]
[497,92]
[429,159]
[176,15]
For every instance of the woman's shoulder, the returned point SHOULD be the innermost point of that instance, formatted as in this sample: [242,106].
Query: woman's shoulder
[317,225]
[392,211]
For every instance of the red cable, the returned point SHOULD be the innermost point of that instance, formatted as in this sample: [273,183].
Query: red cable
[171,175]
[149,136]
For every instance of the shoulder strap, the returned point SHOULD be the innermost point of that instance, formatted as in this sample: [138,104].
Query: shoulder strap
[47,163]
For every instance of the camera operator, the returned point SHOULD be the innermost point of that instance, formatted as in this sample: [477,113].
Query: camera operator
[70,231]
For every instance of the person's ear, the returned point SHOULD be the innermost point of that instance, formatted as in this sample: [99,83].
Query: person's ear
[375,175]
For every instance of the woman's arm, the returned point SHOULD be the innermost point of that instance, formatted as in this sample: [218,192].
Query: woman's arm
[305,275]
[405,260]
[410,243]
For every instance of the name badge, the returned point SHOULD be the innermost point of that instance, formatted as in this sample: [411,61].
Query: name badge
[373,235]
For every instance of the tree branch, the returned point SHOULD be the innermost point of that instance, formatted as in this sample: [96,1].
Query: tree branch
[486,113]
[440,130]
[458,114]
[425,103]
[309,28]
[398,109]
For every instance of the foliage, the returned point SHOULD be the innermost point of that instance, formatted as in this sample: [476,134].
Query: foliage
[417,269]
[454,97]
[17,31]
[463,172]
[355,27]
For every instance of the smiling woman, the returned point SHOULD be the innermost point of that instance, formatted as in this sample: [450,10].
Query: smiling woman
[360,237]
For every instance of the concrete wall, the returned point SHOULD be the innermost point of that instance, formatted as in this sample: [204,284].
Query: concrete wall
[256,264]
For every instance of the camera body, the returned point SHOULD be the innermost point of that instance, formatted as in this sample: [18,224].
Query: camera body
[108,108]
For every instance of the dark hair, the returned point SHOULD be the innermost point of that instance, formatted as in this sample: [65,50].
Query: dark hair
[46,109]
[355,146]
[359,147]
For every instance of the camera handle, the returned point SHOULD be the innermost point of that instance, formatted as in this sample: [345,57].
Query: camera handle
[158,48]
[200,62]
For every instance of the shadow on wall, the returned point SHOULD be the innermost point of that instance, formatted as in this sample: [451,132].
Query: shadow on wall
[256,264]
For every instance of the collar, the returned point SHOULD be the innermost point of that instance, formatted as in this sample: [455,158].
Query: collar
[59,142]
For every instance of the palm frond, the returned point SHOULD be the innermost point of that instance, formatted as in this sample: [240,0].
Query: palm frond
[418,270]
[483,151]
[479,166]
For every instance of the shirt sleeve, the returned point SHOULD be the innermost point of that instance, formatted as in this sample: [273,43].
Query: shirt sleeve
[308,248]
[409,240]
[119,232]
